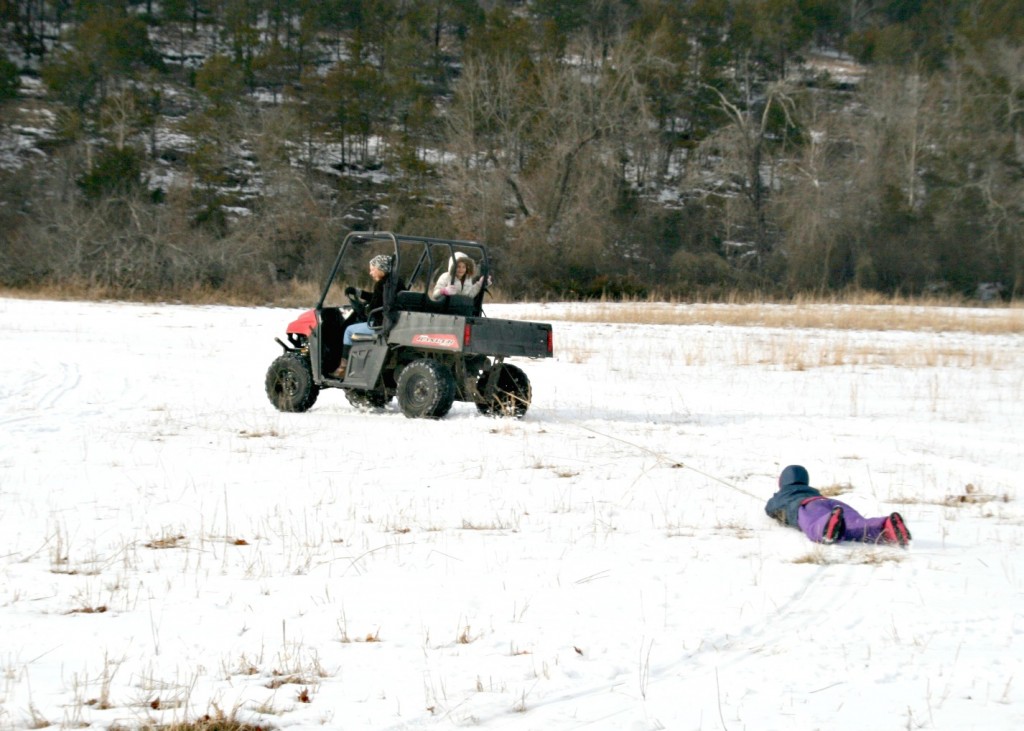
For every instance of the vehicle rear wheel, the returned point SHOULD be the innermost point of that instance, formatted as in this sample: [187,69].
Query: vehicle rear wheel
[426,389]
[367,399]
[289,383]
[511,394]
[446,405]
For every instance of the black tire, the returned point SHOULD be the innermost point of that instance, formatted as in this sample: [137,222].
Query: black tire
[290,384]
[365,400]
[426,389]
[512,392]
[446,405]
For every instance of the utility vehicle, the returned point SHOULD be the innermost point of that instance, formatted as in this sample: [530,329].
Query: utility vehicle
[426,352]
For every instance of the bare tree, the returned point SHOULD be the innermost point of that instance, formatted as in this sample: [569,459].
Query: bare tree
[745,151]
[488,127]
[981,152]
[547,150]
[808,206]
[900,125]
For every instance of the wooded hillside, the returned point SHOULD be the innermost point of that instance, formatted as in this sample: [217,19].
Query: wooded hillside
[601,147]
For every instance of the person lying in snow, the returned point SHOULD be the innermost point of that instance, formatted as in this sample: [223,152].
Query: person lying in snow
[827,520]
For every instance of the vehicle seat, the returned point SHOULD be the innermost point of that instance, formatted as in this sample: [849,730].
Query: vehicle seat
[420,302]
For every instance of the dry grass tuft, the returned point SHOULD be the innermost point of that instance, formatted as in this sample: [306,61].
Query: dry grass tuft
[971,495]
[216,722]
[165,542]
[976,499]
[868,556]
[282,680]
[37,720]
[74,572]
[835,490]
[246,434]
[496,525]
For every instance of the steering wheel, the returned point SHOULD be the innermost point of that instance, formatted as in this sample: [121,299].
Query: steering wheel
[358,306]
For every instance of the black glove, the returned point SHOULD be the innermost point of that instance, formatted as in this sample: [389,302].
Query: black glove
[350,291]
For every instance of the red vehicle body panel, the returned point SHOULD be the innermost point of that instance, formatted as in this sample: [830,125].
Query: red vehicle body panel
[304,324]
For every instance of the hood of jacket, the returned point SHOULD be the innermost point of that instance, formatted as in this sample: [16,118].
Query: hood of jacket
[794,475]
[461,256]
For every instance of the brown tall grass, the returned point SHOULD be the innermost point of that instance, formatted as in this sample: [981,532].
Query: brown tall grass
[859,311]
[927,316]
[282,294]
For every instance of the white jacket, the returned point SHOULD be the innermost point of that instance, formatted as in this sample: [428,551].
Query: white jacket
[465,286]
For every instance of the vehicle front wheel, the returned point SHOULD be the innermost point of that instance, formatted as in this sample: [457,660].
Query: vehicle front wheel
[426,389]
[290,384]
[511,392]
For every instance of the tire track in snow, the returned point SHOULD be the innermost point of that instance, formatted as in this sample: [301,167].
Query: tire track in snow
[71,377]
[40,393]
[735,647]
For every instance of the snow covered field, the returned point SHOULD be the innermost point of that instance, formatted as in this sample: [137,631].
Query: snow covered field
[172,546]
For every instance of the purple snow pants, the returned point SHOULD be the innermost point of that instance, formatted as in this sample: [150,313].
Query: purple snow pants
[814,514]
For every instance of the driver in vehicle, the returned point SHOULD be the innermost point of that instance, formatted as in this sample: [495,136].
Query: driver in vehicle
[380,273]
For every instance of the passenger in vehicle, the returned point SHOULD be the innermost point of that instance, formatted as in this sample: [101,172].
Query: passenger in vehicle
[458,279]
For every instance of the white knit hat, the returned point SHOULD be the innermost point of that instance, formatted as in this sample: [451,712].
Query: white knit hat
[381,262]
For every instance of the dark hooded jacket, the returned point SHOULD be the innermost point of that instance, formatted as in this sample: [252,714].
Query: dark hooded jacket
[380,295]
[793,492]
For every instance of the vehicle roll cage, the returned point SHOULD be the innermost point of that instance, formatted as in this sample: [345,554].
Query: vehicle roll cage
[426,263]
